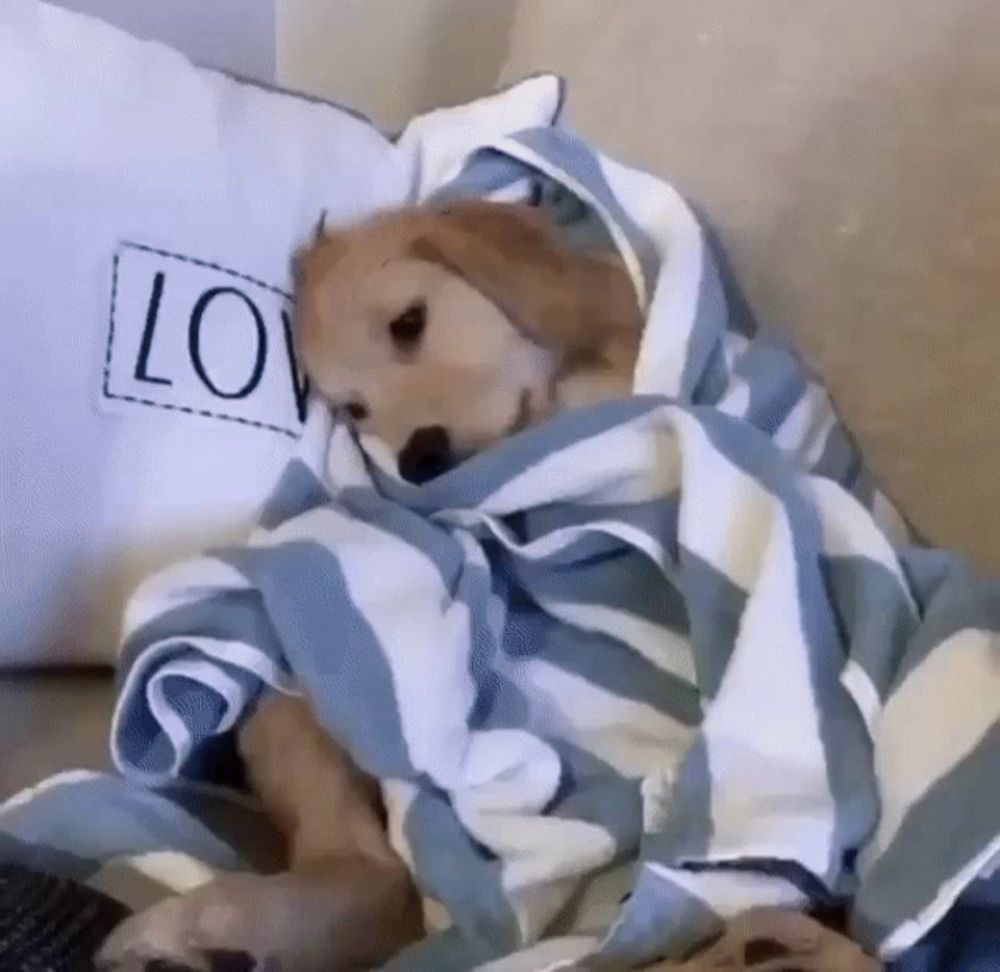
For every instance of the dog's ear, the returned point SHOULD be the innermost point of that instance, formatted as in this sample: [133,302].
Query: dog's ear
[318,256]
[511,254]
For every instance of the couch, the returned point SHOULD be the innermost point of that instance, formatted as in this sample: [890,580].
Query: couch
[848,154]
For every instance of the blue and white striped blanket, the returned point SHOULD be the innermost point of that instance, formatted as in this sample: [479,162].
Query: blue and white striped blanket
[624,675]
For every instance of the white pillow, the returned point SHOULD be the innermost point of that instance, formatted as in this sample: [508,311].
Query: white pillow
[148,390]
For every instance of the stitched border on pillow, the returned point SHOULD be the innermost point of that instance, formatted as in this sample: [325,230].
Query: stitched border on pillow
[167,406]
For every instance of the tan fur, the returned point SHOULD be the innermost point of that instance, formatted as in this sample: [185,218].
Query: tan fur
[518,326]
[512,314]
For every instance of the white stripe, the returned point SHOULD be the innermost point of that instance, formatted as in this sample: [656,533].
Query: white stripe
[173,870]
[730,893]
[346,466]
[726,516]
[736,401]
[888,518]
[181,584]
[126,880]
[807,426]
[537,849]
[734,346]
[860,687]
[667,220]
[666,649]
[398,797]
[770,793]
[634,462]
[422,632]
[517,191]
[931,722]
[657,789]
[850,531]
[633,737]
[541,871]
[436,145]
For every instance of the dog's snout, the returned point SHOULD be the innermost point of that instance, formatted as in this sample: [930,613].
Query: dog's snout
[427,454]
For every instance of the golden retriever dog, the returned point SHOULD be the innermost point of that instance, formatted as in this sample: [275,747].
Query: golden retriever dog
[444,330]
[440,331]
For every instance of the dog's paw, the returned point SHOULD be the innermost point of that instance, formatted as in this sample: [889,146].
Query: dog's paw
[233,924]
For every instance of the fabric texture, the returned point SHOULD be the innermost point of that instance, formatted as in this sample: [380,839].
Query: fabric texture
[626,674]
[848,153]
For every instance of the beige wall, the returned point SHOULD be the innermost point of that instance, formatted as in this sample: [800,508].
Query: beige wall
[392,58]
[235,35]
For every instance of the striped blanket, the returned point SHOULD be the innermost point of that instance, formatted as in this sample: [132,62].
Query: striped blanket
[623,676]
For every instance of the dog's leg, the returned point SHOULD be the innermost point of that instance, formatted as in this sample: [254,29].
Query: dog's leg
[347,901]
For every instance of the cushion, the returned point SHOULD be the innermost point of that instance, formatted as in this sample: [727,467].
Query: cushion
[847,152]
[149,390]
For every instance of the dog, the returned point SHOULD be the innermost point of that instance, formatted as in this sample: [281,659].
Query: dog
[439,331]
[442,331]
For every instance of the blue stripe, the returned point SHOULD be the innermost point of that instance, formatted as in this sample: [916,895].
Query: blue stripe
[715,608]
[739,313]
[840,461]
[140,742]
[954,821]
[776,380]
[298,491]
[874,617]
[707,329]
[660,920]
[713,383]
[686,835]
[485,172]
[332,649]
[959,603]
[451,868]
[76,825]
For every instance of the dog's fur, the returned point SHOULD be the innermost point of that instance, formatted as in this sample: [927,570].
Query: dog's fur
[516,325]
[513,326]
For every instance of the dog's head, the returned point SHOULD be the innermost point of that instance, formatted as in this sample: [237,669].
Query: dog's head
[442,330]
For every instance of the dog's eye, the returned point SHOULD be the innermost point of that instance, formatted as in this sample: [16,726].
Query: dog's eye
[358,411]
[408,327]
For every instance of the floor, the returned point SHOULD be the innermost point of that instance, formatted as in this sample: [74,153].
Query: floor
[51,723]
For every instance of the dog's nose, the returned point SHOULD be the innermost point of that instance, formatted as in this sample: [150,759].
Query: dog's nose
[427,454]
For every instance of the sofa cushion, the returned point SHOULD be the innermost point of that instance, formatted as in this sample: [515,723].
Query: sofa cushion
[848,153]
